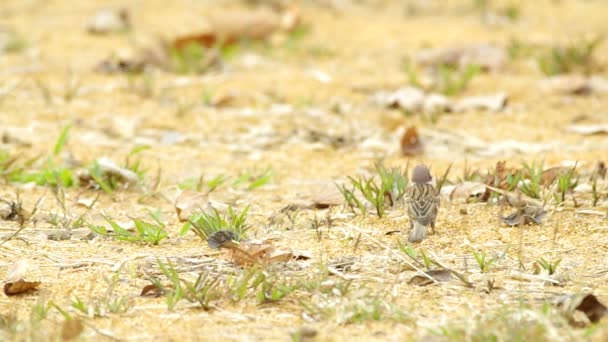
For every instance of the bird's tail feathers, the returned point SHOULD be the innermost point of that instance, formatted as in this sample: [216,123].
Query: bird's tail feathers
[418,232]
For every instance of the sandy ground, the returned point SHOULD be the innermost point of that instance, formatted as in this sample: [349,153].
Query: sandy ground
[278,98]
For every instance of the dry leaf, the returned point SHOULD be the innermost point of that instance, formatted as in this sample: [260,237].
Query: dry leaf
[588,304]
[222,239]
[248,253]
[17,271]
[574,85]
[121,64]
[567,84]
[487,57]
[13,210]
[190,202]
[151,290]
[492,103]
[411,145]
[19,287]
[251,252]
[71,329]
[301,255]
[436,103]
[527,214]
[409,99]
[87,202]
[498,178]
[15,284]
[109,21]
[549,175]
[437,275]
[588,129]
[328,196]
[468,190]
[228,27]
[109,169]
[278,255]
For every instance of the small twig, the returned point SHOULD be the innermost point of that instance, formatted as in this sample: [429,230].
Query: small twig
[12,236]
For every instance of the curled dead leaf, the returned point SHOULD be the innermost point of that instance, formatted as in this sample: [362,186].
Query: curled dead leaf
[575,85]
[17,271]
[549,175]
[588,304]
[487,57]
[327,196]
[229,27]
[15,284]
[121,64]
[437,275]
[411,145]
[408,99]
[567,84]
[19,287]
[526,215]
[151,290]
[106,169]
[252,252]
[466,191]
[190,202]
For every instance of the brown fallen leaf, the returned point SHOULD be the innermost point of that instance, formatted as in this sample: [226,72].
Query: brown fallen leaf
[327,196]
[190,202]
[301,255]
[71,329]
[549,175]
[249,253]
[575,84]
[108,169]
[467,191]
[567,84]
[436,103]
[20,287]
[411,145]
[15,284]
[17,271]
[229,27]
[275,255]
[526,215]
[588,304]
[252,252]
[408,99]
[151,290]
[121,64]
[438,275]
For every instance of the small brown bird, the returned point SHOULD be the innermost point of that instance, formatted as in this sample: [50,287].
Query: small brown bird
[422,202]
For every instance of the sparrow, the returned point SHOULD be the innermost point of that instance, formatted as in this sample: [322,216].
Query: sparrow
[422,203]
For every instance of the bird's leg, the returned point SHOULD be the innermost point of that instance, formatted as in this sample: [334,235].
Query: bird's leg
[433,227]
